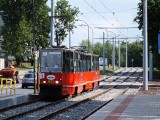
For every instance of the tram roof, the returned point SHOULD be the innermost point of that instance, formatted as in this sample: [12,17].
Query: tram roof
[67,49]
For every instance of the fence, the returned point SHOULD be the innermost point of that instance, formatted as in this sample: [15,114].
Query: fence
[8,83]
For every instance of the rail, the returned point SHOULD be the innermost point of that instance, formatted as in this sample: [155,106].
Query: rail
[8,83]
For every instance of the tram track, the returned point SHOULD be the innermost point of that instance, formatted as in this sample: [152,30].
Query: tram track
[44,108]
[37,100]
[76,104]
[91,99]
[109,75]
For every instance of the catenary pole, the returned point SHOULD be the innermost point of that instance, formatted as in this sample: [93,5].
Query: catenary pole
[104,66]
[145,47]
[113,55]
[119,55]
[126,54]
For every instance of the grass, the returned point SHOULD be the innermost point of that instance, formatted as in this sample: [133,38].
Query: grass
[156,72]
[25,66]
[108,70]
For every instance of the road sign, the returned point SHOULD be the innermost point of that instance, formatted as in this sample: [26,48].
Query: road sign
[158,42]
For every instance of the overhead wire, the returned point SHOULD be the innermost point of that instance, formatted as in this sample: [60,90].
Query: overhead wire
[97,12]
[114,14]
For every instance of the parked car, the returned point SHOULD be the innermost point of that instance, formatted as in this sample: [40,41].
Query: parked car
[28,80]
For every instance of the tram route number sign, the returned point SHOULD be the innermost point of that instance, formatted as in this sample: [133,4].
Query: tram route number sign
[158,42]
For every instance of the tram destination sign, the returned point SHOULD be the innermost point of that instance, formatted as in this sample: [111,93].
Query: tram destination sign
[158,42]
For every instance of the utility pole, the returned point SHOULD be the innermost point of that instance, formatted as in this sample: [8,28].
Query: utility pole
[88,30]
[69,38]
[113,55]
[33,45]
[126,54]
[119,55]
[88,38]
[104,66]
[52,24]
[145,46]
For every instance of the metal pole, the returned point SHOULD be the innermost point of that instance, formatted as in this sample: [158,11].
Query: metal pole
[33,23]
[114,53]
[52,23]
[106,49]
[126,55]
[69,38]
[145,47]
[88,38]
[104,71]
[92,40]
[113,56]
[119,64]
[151,64]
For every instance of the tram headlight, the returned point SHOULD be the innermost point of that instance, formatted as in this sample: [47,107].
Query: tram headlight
[57,82]
[44,81]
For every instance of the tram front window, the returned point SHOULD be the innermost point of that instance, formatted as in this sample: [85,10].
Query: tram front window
[51,61]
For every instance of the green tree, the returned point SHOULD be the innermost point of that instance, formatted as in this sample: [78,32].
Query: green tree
[85,43]
[65,17]
[108,48]
[98,49]
[123,54]
[135,52]
[17,30]
[153,25]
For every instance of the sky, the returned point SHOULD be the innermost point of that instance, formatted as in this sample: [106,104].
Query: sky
[110,14]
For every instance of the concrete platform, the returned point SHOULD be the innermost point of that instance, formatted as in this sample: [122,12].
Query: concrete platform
[21,95]
[130,107]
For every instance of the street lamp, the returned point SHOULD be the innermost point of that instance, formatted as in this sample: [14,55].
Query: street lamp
[126,54]
[113,53]
[88,32]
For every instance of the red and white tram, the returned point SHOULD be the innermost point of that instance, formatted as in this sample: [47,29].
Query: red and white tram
[67,71]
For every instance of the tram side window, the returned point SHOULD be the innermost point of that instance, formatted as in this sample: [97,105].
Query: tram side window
[97,63]
[78,68]
[71,65]
[84,65]
[88,63]
[93,64]
[66,65]
[66,61]
[76,60]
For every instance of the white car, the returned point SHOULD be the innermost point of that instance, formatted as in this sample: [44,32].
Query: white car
[28,80]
